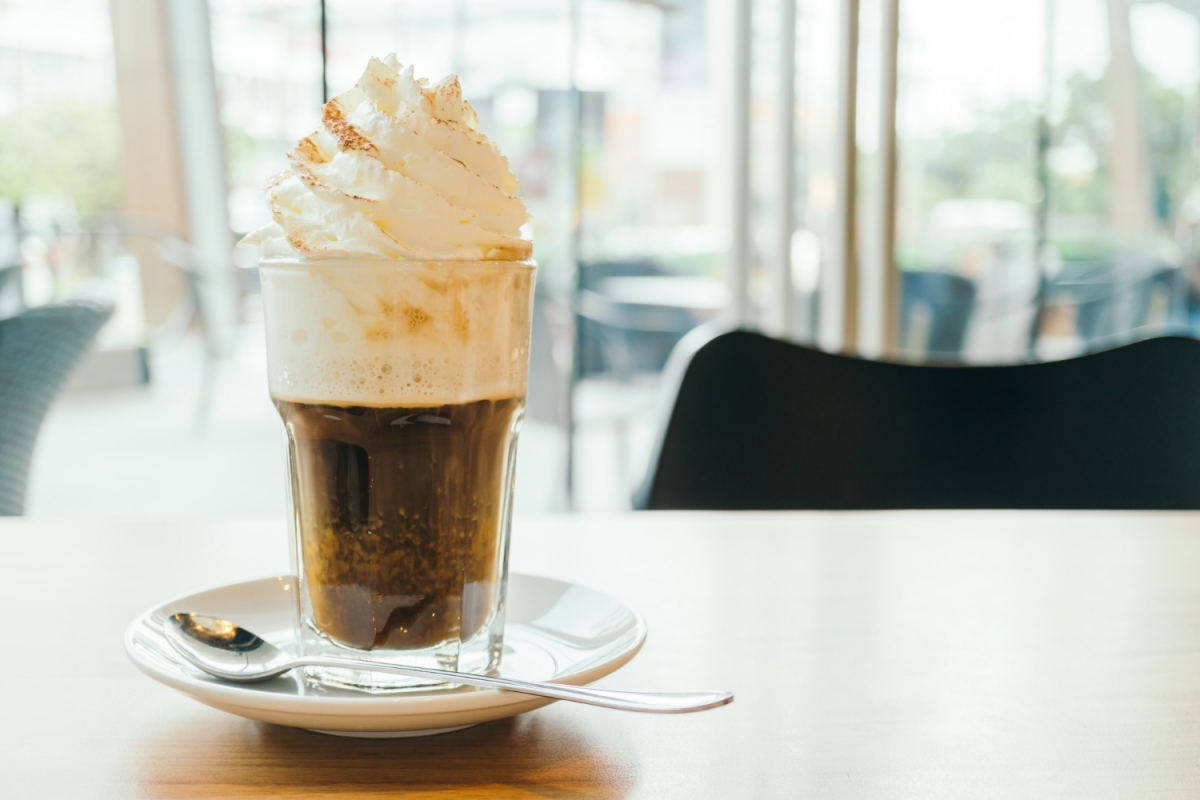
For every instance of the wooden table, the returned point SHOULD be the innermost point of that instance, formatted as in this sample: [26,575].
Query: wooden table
[897,655]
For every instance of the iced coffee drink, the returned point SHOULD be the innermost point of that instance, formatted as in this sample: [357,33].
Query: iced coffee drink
[398,291]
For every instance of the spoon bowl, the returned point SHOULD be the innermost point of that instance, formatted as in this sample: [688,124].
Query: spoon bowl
[230,652]
[225,650]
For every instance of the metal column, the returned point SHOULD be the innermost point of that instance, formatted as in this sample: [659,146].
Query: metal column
[739,239]
[781,312]
[838,324]
[879,292]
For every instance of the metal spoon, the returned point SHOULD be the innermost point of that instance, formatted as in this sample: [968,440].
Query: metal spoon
[232,653]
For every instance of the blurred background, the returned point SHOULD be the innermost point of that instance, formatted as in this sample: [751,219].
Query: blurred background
[924,180]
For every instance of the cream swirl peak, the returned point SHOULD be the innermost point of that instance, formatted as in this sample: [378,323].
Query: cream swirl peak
[397,170]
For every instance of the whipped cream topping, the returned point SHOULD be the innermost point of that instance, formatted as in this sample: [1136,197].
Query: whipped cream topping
[397,170]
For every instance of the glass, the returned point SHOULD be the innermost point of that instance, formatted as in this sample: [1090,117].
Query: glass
[1046,208]
[267,59]
[968,192]
[402,388]
[813,185]
[1120,164]
[60,144]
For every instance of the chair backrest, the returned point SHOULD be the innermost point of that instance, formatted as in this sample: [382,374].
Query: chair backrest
[619,338]
[762,424]
[949,301]
[38,349]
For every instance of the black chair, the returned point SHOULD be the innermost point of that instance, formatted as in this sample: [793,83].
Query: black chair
[762,424]
[1113,305]
[948,302]
[38,350]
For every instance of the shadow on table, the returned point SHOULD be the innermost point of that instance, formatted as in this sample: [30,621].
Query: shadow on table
[533,755]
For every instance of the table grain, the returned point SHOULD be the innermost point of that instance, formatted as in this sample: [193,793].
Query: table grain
[897,655]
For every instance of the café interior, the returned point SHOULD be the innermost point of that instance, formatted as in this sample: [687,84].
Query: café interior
[858,398]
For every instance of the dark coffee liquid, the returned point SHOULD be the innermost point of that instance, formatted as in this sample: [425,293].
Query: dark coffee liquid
[400,515]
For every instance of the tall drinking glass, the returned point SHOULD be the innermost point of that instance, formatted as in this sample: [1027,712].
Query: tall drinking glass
[402,388]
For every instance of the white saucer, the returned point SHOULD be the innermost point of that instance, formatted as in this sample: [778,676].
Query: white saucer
[554,631]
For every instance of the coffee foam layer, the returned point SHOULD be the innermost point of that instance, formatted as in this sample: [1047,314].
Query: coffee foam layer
[397,334]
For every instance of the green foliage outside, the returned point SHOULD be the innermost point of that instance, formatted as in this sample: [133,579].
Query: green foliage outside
[994,160]
[997,159]
[1169,125]
[70,146]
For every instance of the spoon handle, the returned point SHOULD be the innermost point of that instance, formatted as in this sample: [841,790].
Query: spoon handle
[647,702]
